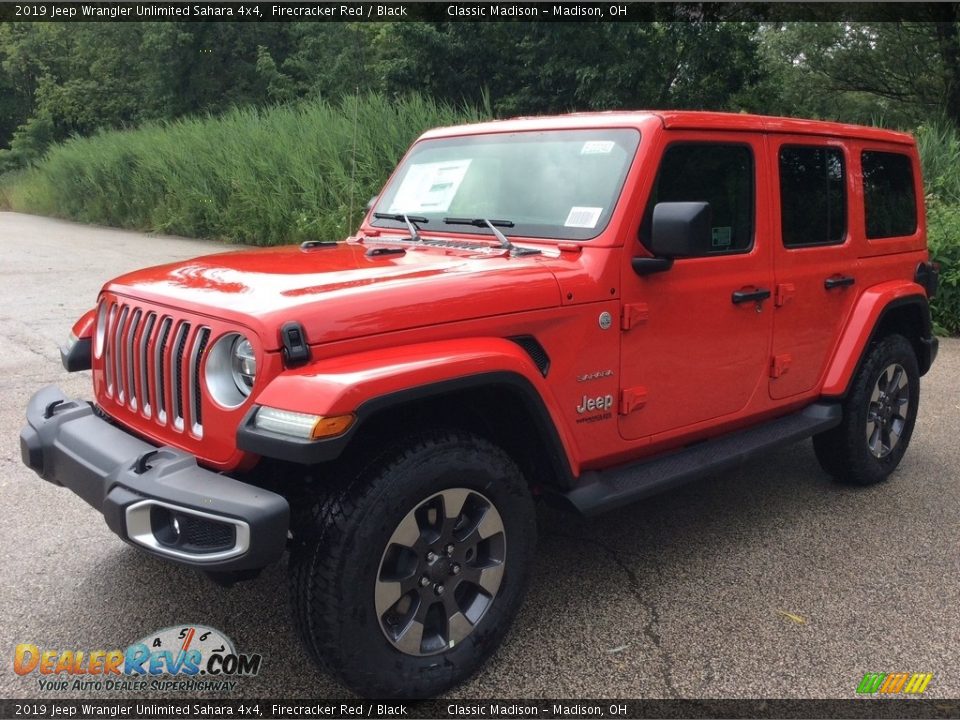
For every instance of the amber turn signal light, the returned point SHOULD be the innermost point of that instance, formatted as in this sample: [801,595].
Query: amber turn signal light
[330,426]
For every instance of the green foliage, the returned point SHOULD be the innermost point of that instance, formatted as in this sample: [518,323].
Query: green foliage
[943,234]
[546,68]
[9,181]
[59,80]
[900,72]
[265,177]
[939,145]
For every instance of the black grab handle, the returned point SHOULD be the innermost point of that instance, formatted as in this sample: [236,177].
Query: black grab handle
[841,281]
[741,296]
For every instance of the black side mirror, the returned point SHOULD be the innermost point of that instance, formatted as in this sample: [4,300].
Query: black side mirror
[678,229]
[370,203]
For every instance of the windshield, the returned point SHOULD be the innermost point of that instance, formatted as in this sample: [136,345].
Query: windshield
[555,184]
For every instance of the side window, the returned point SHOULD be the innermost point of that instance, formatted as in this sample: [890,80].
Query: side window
[813,196]
[890,204]
[719,174]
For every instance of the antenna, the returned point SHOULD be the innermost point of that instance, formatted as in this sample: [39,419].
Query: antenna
[353,154]
[356,112]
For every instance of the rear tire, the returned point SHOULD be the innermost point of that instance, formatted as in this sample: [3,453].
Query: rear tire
[406,578]
[878,416]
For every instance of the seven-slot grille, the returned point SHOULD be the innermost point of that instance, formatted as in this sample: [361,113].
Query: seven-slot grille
[151,365]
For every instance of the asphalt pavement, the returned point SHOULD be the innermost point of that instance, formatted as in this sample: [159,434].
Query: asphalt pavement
[768,581]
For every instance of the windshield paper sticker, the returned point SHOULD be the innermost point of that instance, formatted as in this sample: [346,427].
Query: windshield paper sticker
[583,217]
[429,187]
[597,147]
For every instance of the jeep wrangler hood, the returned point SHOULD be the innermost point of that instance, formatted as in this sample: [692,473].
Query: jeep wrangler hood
[341,291]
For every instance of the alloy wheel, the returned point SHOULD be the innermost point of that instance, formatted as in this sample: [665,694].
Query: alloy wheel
[887,412]
[440,572]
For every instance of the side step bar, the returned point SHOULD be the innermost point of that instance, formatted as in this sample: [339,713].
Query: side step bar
[598,491]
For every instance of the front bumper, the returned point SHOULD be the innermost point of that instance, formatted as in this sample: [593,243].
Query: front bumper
[158,499]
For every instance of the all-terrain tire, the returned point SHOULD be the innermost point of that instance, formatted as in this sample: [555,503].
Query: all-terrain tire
[855,452]
[340,547]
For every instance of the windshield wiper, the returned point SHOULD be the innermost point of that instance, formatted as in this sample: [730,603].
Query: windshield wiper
[493,225]
[410,220]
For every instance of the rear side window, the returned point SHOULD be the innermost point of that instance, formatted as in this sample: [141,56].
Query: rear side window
[813,196]
[889,200]
[721,175]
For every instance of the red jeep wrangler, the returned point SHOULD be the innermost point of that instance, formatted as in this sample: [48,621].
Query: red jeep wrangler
[591,308]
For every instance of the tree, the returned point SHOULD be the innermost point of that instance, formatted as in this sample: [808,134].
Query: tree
[540,67]
[900,71]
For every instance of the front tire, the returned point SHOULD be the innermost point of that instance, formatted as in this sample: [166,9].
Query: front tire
[878,416]
[405,579]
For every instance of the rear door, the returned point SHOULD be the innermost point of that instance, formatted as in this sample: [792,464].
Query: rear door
[814,258]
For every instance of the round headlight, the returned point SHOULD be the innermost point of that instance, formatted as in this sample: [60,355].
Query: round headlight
[243,364]
[231,370]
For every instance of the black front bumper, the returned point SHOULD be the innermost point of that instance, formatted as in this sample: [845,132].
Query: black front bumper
[158,499]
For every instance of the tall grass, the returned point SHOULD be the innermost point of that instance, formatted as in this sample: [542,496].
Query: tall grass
[260,176]
[9,181]
[939,146]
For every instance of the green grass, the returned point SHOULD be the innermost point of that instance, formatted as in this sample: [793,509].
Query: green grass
[259,176]
[9,182]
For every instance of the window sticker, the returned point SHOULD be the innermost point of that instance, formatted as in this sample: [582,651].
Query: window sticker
[722,236]
[429,187]
[597,147]
[583,217]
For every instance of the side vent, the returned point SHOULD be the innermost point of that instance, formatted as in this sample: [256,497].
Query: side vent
[535,350]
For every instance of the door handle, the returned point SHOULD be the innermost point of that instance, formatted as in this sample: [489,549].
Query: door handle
[838,281]
[758,295]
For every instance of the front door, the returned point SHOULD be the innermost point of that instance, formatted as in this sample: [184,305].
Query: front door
[696,337]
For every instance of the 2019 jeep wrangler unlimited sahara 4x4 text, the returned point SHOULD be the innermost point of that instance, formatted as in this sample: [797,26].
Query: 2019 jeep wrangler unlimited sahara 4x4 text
[591,308]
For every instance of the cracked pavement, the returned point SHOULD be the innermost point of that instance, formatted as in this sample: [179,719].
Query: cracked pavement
[688,594]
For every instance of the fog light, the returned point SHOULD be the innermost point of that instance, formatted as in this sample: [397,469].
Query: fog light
[165,525]
[185,533]
[301,425]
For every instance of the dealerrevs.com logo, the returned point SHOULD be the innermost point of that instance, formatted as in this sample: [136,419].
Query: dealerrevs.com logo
[186,658]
